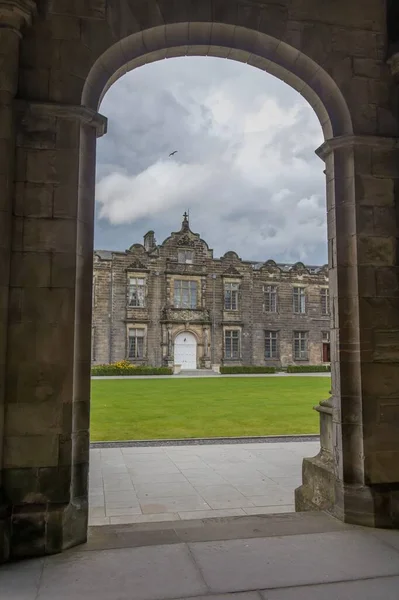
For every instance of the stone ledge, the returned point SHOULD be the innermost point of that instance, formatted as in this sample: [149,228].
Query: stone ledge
[85,115]
[351,141]
[210,529]
[17,13]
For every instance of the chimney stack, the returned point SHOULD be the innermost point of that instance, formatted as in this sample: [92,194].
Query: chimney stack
[149,241]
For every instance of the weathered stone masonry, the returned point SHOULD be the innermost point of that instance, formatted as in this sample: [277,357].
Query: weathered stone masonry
[58,58]
[160,320]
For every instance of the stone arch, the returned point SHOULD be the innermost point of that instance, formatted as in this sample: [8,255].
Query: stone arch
[60,68]
[227,41]
[185,329]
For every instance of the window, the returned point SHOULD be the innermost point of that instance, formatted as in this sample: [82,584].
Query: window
[185,257]
[325,301]
[136,343]
[270,292]
[326,346]
[300,345]
[185,293]
[271,344]
[326,337]
[232,343]
[231,291]
[136,292]
[299,300]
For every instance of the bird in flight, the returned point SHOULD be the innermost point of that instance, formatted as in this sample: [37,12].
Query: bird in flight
[172,153]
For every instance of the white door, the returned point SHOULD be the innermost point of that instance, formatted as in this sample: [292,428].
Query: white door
[186,351]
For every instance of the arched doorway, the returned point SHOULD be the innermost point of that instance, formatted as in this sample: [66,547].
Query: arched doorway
[59,81]
[185,351]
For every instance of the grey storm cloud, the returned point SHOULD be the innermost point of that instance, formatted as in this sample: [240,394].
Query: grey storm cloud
[245,166]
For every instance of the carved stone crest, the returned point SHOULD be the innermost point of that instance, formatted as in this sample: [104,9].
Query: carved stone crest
[231,272]
[137,265]
[186,241]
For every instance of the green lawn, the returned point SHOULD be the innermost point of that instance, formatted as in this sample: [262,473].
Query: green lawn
[180,408]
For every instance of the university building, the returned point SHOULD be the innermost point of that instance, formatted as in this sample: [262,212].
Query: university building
[175,304]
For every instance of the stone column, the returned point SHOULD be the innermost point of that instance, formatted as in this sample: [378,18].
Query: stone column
[170,345]
[46,441]
[206,357]
[13,17]
[206,342]
[364,283]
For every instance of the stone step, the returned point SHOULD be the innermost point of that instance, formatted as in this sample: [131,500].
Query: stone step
[197,373]
[211,529]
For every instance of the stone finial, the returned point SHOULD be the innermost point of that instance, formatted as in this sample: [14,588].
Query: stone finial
[17,13]
[185,226]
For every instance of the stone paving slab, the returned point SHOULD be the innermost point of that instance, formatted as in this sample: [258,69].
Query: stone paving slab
[383,588]
[239,565]
[307,556]
[135,484]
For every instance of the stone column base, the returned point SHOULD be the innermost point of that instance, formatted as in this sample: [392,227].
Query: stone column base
[317,489]
[369,506]
[5,532]
[37,530]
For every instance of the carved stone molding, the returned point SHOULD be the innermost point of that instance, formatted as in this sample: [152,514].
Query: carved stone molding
[231,272]
[350,141]
[186,241]
[86,116]
[16,13]
[137,265]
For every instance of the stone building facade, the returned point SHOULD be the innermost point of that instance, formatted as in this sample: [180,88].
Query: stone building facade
[174,304]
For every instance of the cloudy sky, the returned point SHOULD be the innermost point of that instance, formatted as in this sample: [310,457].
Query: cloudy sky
[245,166]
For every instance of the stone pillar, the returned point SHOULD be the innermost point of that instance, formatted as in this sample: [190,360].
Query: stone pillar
[364,284]
[206,357]
[46,439]
[13,17]
[206,342]
[170,344]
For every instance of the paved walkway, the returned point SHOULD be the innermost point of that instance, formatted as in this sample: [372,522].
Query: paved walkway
[285,557]
[167,483]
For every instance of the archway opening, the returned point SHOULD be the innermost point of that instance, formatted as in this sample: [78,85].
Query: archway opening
[339,124]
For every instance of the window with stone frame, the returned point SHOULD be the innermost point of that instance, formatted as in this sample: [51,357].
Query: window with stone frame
[136,343]
[301,345]
[270,298]
[271,345]
[325,301]
[299,300]
[185,293]
[231,296]
[137,292]
[185,257]
[232,343]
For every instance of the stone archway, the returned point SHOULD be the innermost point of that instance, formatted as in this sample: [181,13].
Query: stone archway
[69,53]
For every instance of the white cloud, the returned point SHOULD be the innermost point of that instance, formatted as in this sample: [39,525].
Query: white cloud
[245,164]
[162,186]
